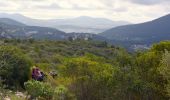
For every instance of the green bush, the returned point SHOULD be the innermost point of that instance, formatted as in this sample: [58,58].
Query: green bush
[62,93]
[39,89]
[14,66]
[161,47]
[90,77]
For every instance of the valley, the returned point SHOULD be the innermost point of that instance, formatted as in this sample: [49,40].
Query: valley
[84,58]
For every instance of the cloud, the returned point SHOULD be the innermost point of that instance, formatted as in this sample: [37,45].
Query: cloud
[2,4]
[53,6]
[129,10]
[148,2]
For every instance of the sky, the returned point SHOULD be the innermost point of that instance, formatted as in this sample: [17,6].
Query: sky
[134,11]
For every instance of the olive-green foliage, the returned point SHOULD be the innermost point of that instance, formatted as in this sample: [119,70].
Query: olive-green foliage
[165,70]
[161,47]
[152,83]
[39,89]
[89,70]
[44,51]
[93,79]
[62,93]
[14,66]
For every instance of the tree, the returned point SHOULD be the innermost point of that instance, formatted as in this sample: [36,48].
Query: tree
[152,83]
[14,66]
[161,47]
[165,70]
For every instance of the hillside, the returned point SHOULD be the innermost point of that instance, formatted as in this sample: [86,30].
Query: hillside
[82,70]
[13,30]
[48,48]
[144,33]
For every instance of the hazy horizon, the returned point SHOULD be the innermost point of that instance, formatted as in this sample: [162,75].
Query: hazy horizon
[134,11]
[60,18]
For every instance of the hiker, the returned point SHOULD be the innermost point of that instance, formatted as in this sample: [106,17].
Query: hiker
[37,74]
[41,76]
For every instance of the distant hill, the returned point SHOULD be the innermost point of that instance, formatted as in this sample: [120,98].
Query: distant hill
[79,24]
[143,34]
[12,29]
[11,22]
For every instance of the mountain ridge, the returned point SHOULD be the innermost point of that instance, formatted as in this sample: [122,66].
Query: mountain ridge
[11,22]
[141,34]
[99,24]
[147,28]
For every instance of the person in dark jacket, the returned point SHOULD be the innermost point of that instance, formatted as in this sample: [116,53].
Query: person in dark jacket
[37,74]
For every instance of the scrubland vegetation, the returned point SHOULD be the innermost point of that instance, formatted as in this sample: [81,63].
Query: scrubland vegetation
[86,70]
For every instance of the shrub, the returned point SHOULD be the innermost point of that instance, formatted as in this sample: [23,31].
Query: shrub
[14,66]
[62,93]
[39,89]
[91,80]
